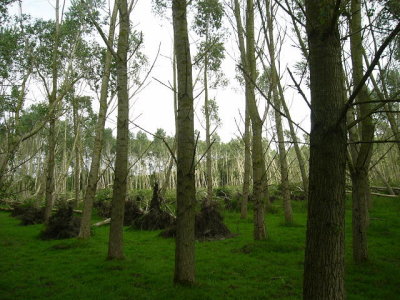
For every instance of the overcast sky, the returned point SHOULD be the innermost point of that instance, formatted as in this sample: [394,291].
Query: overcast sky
[153,107]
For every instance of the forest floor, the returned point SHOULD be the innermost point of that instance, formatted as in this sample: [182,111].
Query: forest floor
[236,268]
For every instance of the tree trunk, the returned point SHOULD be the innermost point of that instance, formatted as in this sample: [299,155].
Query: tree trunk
[208,135]
[278,121]
[172,161]
[260,192]
[77,156]
[361,197]
[247,165]
[90,193]
[52,125]
[186,191]
[115,245]
[361,155]
[324,254]
[246,136]
[299,154]
[385,183]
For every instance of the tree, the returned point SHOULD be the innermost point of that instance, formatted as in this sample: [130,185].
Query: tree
[246,134]
[186,191]
[324,254]
[84,231]
[360,159]
[278,103]
[52,122]
[115,242]
[208,21]
[260,187]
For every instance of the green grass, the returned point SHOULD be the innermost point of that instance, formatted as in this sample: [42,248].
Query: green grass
[236,268]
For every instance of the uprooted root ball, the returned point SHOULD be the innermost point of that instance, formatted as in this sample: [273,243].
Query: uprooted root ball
[28,214]
[209,226]
[62,225]
[156,218]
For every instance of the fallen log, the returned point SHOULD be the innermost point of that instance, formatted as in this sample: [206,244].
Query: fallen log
[379,194]
[104,222]
[6,209]
[385,195]
[382,188]
[54,209]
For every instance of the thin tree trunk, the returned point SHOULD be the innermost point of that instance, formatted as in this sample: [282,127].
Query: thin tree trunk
[260,193]
[115,244]
[52,125]
[362,155]
[324,254]
[361,195]
[246,136]
[385,183]
[299,154]
[278,121]
[90,193]
[77,155]
[175,98]
[186,190]
[247,165]
[209,180]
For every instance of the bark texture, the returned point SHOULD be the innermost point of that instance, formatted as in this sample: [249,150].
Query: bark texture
[115,244]
[324,254]
[186,192]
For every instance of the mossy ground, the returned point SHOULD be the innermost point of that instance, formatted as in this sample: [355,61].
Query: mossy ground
[236,268]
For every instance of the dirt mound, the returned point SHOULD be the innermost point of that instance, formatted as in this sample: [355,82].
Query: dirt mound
[209,226]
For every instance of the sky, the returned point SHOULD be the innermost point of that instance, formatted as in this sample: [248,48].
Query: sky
[153,107]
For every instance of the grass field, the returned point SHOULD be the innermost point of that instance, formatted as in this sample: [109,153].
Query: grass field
[236,268]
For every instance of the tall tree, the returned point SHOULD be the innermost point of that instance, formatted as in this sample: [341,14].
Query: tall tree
[360,153]
[324,254]
[115,244]
[84,231]
[208,21]
[52,122]
[260,187]
[77,133]
[247,133]
[186,191]
[277,100]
